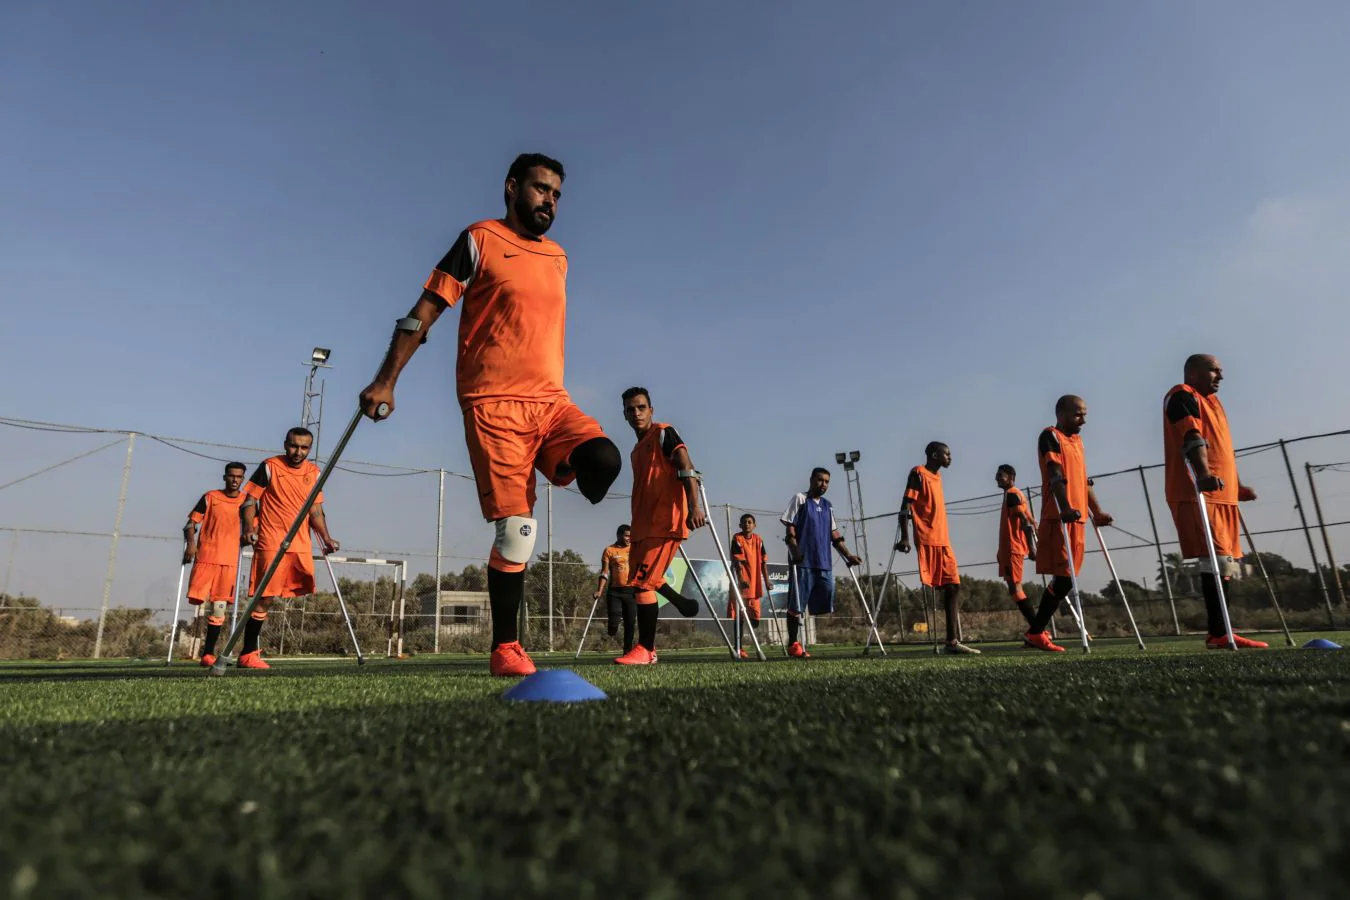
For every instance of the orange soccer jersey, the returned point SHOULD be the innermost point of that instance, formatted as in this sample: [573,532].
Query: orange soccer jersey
[1185,410]
[281,492]
[1012,540]
[747,559]
[660,509]
[614,564]
[923,490]
[512,328]
[1055,446]
[218,537]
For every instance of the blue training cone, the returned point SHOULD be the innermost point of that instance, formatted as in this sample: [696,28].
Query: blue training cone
[555,686]
[1321,644]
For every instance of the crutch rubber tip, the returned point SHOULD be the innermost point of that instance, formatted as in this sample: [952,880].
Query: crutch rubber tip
[218,667]
[360,660]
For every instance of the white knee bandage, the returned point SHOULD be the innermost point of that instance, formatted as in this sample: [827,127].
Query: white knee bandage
[1228,567]
[216,609]
[515,539]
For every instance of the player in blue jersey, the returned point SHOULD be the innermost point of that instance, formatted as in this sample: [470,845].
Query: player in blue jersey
[811,532]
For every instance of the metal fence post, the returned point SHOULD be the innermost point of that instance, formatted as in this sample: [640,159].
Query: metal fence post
[440,534]
[112,551]
[1162,563]
[1326,540]
[1312,551]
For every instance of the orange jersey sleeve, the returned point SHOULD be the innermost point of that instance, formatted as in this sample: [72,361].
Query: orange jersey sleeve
[660,508]
[513,325]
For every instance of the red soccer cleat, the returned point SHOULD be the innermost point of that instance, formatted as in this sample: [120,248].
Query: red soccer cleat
[797,651]
[511,661]
[1040,642]
[1221,643]
[208,660]
[638,656]
[744,655]
[252,660]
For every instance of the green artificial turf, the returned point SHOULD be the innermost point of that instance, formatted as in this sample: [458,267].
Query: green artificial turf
[1176,773]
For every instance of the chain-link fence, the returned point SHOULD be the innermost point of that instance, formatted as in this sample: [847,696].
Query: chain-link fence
[91,551]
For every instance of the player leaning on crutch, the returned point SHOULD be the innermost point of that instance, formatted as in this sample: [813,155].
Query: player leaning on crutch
[665,509]
[1016,538]
[275,496]
[1067,495]
[213,552]
[811,532]
[518,416]
[1195,431]
[925,505]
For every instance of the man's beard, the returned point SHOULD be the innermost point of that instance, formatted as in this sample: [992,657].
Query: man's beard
[527,218]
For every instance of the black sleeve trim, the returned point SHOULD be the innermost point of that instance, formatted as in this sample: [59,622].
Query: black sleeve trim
[1048,442]
[914,482]
[1014,500]
[1182,405]
[458,261]
[200,508]
[260,476]
[670,442]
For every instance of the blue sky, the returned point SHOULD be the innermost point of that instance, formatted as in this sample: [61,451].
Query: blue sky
[805,227]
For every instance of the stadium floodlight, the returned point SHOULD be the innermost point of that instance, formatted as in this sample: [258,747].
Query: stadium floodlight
[839,457]
[320,356]
[847,458]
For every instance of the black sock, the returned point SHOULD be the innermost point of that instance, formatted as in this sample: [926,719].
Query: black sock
[252,628]
[647,614]
[629,619]
[1213,611]
[212,632]
[794,626]
[953,620]
[1024,607]
[686,605]
[1049,603]
[506,591]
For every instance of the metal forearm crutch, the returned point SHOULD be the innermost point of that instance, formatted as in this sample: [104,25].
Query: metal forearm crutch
[234,601]
[1120,588]
[708,603]
[733,586]
[862,598]
[885,583]
[587,628]
[177,605]
[236,632]
[1270,585]
[360,660]
[1213,556]
[1075,598]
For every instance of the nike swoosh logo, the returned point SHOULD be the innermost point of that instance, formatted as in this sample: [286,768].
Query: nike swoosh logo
[509,255]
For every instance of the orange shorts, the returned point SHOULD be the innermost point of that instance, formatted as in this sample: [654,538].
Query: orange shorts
[509,439]
[211,583]
[751,606]
[294,577]
[648,560]
[1051,556]
[937,566]
[1224,522]
[1010,565]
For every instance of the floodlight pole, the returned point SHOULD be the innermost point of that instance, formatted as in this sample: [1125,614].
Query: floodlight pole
[853,480]
[440,532]
[308,417]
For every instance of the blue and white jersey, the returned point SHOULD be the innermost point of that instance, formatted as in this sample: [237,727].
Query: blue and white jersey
[814,520]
